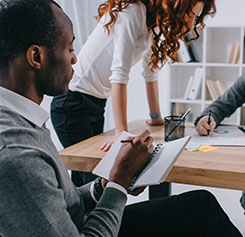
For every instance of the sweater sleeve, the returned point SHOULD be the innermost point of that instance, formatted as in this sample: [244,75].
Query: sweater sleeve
[36,201]
[227,104]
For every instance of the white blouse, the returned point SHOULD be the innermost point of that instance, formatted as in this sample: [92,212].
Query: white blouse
[106,59]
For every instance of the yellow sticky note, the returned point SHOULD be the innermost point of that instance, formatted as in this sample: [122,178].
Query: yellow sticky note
[202,147]
[207,148]
[192,146]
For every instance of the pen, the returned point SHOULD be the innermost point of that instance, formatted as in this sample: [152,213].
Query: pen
[242,129]
[178,123]
[131,140]
[209,119]
[128,140]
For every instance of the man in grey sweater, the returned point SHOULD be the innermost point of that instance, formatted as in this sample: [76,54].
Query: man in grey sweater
[37,196]
[223,107]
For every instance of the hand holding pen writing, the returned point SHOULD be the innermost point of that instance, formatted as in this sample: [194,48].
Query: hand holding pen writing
[134,154]
[206,126]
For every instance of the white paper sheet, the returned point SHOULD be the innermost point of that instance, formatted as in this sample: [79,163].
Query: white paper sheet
[233,136]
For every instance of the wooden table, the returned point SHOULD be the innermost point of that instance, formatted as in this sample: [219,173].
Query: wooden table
[222,168]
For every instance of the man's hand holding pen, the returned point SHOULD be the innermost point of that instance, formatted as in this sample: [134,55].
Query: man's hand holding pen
[133,155]
[206,126]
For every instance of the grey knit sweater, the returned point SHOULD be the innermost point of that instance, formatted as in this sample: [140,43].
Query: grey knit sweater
[37,197]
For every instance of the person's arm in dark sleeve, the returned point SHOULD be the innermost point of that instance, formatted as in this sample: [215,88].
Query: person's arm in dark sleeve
[226,104]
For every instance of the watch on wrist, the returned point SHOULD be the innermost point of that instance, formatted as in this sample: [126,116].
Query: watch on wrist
[98,187]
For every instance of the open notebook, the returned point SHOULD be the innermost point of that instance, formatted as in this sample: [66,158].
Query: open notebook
[162,160]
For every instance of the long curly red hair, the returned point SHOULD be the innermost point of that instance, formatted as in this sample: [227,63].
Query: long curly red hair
[166,19]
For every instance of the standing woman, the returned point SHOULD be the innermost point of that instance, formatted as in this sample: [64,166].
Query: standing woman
[128,30]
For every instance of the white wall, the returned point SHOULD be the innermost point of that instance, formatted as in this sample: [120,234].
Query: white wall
[228,12]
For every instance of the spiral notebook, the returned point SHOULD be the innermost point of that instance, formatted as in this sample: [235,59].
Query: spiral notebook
[162,160]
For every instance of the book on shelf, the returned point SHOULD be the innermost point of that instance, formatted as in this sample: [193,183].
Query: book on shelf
[195,84]
[220,86]
[173,109]
[194,48]
[161,161]
[234,53]
[215,88]
[188,87]
[211,89]
[187,52]
[178,109]
[192,53]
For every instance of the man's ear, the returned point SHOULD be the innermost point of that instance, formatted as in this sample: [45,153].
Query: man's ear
[34,56]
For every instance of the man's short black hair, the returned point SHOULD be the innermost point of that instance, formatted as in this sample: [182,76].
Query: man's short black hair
[24,23]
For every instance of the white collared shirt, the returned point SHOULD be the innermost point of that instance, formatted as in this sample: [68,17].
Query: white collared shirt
[109,185]
[23,106]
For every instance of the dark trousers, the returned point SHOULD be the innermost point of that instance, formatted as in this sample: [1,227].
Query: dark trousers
[195,213]
[76,117]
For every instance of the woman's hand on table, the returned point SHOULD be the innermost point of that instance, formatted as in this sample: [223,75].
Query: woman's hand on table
[107,145]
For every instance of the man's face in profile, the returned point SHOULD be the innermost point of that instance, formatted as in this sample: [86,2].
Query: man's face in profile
[57,69]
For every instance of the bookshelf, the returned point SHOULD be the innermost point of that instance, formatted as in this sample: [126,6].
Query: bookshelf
[213,50]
